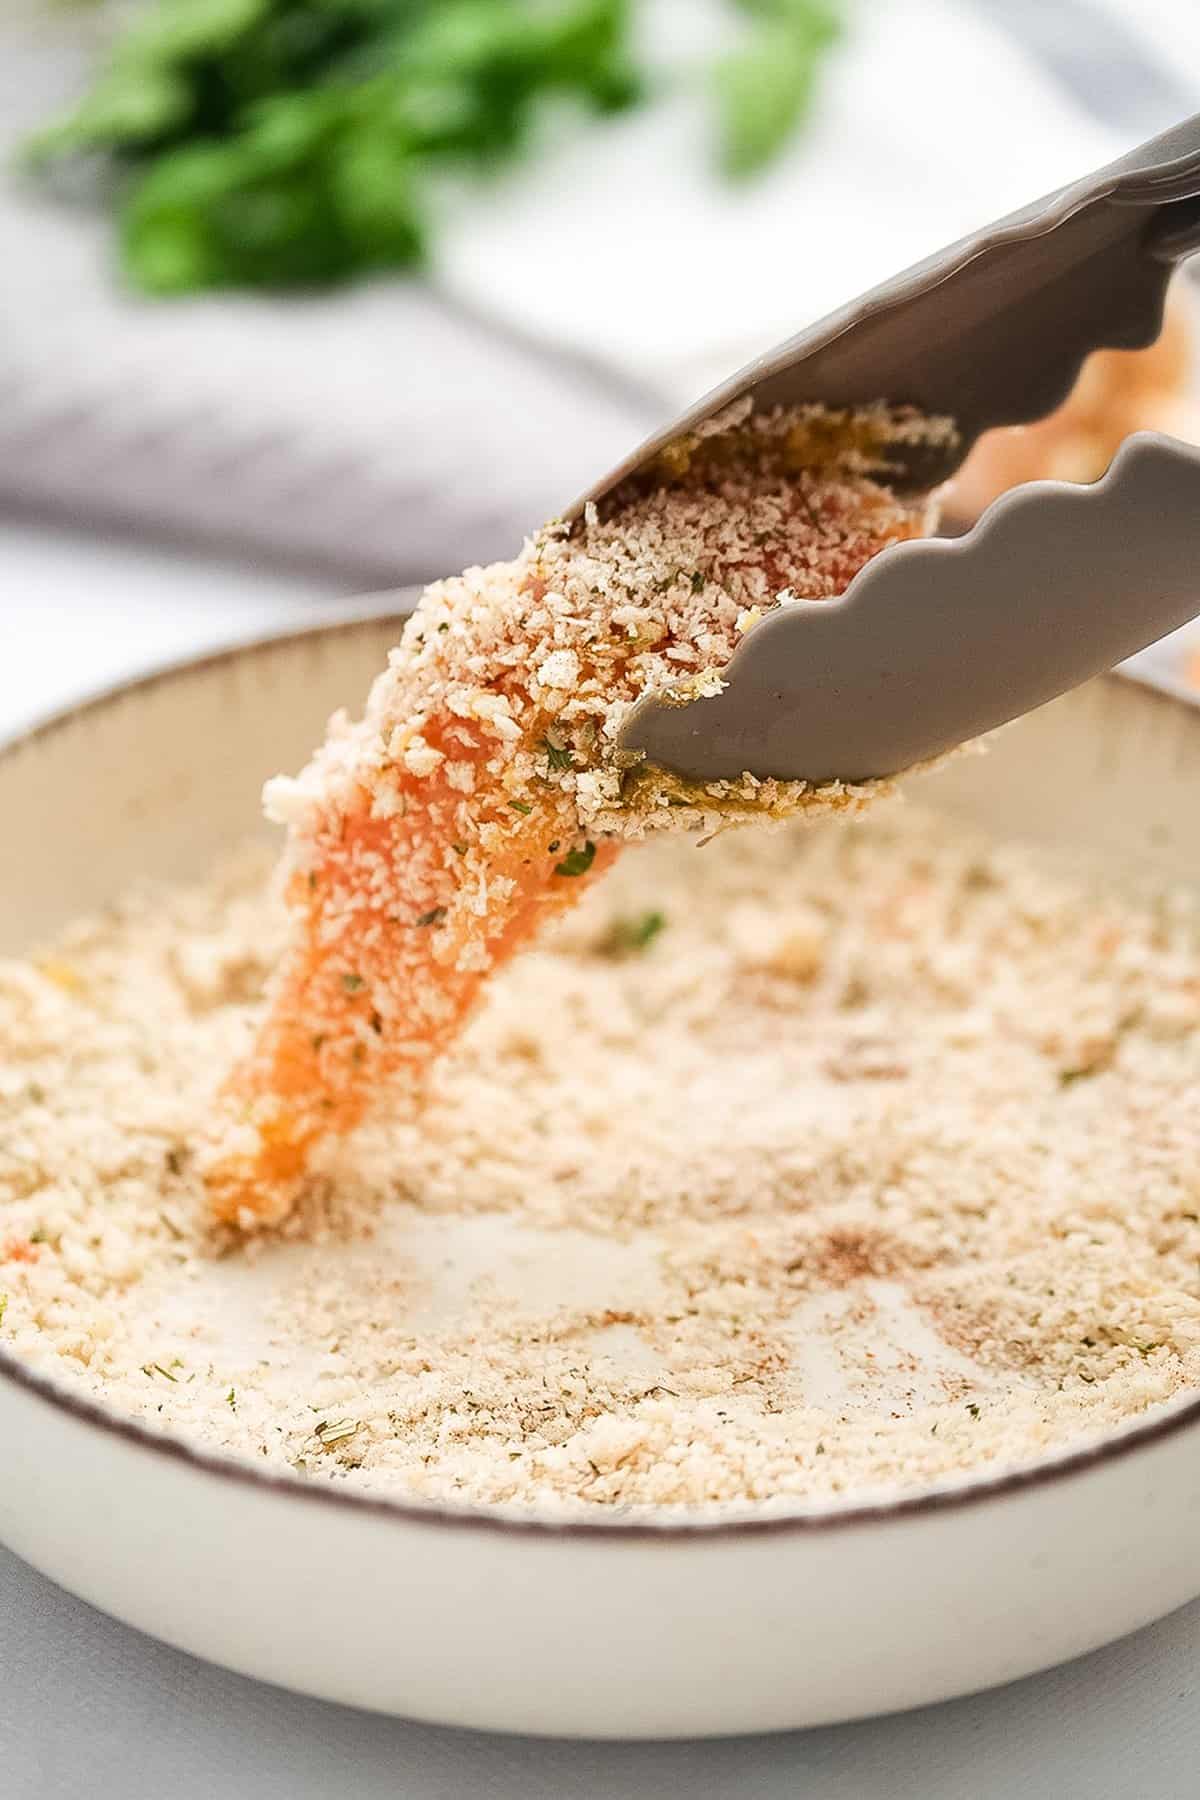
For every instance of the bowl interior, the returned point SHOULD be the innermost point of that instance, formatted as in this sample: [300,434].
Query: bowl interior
[159,779]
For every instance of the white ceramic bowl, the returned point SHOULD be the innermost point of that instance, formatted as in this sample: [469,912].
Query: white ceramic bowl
[590,1629]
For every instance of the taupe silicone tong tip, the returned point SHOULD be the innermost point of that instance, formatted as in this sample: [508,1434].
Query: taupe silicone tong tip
[937,641]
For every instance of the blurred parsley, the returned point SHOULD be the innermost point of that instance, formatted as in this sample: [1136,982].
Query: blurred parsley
[284,143]
[765,87]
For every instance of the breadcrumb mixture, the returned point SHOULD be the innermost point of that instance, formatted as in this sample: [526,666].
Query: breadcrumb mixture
[821,1161]
[651,594]
[485,786]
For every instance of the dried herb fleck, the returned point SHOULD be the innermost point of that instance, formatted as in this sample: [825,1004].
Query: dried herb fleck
[627,936]
[557,755]
[434,916]
[352,983]
[335,1431]
[577,862]
[521,806]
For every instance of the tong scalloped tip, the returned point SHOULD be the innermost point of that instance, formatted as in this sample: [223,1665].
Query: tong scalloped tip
[939,640]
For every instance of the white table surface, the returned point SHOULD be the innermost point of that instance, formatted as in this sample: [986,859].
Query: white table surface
[91,1708]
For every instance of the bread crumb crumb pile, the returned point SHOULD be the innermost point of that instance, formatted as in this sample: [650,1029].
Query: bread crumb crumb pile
[484,786]
[824,1162]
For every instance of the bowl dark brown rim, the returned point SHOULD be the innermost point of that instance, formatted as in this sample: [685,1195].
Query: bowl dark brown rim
[668,1530]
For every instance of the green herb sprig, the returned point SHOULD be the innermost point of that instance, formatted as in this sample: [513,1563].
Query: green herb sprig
[764,88]
[295,143]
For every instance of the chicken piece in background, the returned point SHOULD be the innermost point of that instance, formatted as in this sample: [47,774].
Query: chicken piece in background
[1118,391]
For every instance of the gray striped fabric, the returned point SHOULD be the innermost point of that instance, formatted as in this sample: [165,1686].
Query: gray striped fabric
[376,431]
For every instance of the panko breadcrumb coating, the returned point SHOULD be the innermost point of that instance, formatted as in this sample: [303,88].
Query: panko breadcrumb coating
[484,786]
[818,1164]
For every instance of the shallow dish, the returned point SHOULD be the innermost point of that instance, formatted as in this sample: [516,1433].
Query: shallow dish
[606,1628]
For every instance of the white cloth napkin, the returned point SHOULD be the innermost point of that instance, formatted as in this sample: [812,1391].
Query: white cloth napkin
[628,248]
[398,427]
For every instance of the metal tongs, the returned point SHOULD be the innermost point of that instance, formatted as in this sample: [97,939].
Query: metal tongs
[938,640]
